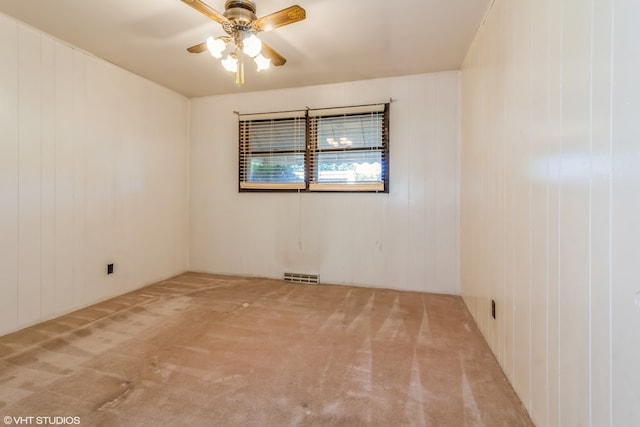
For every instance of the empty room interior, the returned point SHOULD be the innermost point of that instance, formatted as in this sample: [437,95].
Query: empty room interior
[340,213]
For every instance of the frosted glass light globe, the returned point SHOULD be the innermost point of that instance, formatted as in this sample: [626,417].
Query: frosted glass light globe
[251,45]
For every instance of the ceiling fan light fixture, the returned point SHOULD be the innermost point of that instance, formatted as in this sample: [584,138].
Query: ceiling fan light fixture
[241,25]
[230,63]
[251,45]
[216,47]
[262,62]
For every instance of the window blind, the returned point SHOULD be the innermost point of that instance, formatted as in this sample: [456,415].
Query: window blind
[272,151]
[349,149]
[331,149]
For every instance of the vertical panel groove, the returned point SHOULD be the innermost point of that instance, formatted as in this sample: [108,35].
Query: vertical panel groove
[590,219]
[530,234]
[40,208]
[56,117]
[548,242]
[611,210]
[18,186]
[560,258]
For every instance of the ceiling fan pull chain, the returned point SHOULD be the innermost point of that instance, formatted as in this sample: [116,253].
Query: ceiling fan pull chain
[240,70]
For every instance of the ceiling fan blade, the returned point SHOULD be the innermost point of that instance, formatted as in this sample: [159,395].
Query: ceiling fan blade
[201,47]
[280,19]
[276,58]
[206,10]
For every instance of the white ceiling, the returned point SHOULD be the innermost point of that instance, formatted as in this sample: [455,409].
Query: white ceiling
[341,40]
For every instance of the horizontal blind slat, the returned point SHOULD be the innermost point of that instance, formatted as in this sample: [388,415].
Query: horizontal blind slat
[346,110]
[257,117]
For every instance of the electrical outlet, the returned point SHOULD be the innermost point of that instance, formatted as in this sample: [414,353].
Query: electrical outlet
[109,268]
[493,309]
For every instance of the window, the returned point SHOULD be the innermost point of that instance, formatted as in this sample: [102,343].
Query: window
[272,151]
[348,147]
[338,149]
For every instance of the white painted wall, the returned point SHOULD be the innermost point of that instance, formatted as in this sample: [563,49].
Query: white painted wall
[93,169]
[550,219]
[407,239]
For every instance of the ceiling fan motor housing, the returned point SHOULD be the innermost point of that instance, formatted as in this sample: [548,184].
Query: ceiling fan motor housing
[240,12]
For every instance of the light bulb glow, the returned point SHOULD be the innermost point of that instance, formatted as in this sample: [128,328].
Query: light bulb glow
[251,45]
[230,63]
[262,62]
[216,47]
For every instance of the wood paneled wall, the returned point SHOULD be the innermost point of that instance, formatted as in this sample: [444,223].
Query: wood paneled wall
[550,219]
[406,239]
[93,170]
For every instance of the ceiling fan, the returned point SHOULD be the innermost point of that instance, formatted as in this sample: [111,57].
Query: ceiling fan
[241,24]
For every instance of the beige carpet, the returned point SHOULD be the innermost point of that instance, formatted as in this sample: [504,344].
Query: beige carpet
[200,350]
